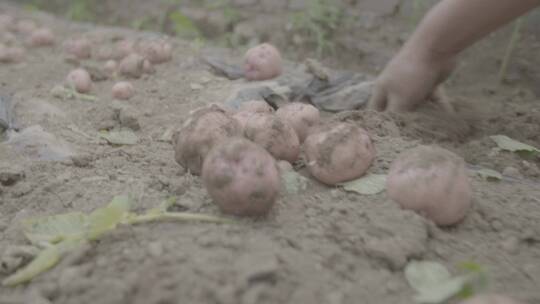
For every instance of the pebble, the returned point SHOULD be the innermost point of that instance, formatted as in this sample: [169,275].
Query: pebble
[10,175]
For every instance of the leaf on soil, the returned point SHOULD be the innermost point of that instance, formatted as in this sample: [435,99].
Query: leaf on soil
[120,137]
[368,185]
[106,219]
[433,282]
[45,260]
[490,175]
[293,182]
[506,143]
[56,228]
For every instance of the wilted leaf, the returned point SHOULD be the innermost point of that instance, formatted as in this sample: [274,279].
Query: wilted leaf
[105,219]
[490,175]
[368,185]
[433,282]
[506,143]
[54,229]
[45,260]
[293,182]
[120,137]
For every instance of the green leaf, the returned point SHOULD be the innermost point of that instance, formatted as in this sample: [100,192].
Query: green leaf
[442,292]
[120,137]
[506,143]
[106,219]
[44,261]
[490,175]
[56,228]
[183,26]
[293,182]
[368,185]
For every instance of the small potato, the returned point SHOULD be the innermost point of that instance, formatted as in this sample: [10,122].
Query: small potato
[156,51]
[79,48]
[123,90]
[107,53]
[132,66]
[26,26]
[110,67]
[205,128]
[241,177]
[491,299]
[124,48]
[262,62]
[79,80]
[148,67]
[302,117]
[11,54]
[274,135]
[338,153]
[256,106]
[7,22]
[41,37]
[433,182]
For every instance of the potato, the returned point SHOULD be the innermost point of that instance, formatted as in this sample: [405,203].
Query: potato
[110,67]
[148,67]
[491,299]
[107,53]
[241,177]
[302,117]
[123,90]
[26,26]
[124,48]
[80,80]
[262,62]
[205,128]
[132,66]
[274,135]
[242,118]
[79,48]
[256,106]
[11,54]
[431,181]
[156,51]
[338,153]
[41,37]
[7,22]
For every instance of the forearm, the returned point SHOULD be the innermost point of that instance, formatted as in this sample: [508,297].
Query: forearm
[453,25]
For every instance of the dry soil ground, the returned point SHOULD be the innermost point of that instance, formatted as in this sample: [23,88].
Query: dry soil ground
[320,246]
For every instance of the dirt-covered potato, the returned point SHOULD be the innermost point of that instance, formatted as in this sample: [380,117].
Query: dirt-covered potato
[431,181]
[491,299]
[80,80]
[132,66]
[41,37]
[25,26]
[262,62]
[123,90]
[79,48]
[156,51]
[110,67]
[241,177]
[301,116]
[123,48]
[338,153]
[205,128]
[273,134]
[11,54]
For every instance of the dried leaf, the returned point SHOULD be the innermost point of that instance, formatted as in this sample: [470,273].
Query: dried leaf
[506,143]
[120,137]
[490,175]
[368,185]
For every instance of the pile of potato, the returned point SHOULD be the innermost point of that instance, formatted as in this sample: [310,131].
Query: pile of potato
[127,58]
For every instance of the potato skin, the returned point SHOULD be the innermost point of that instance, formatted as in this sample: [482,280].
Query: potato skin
[262,62]
[205,128]
[123,90]
[431,181]
[338,153]
[491,299]
[273,134]
[301,116]
[241,177]
[80,80]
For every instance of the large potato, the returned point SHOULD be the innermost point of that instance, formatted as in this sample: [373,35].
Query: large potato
[273,134]
[301,116]
[431,181]
[205,128]
[241,177]
[338,153]
[262,62]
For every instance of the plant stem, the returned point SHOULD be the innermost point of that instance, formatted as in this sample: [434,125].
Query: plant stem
[182,216]
[510,49]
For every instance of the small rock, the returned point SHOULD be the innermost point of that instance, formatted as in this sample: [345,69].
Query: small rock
[512,172]
[510,245]
[259,268]
[10,175]
[82,161]
[128,119]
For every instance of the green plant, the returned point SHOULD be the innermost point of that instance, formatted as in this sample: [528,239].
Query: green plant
[318,23]
[80,10]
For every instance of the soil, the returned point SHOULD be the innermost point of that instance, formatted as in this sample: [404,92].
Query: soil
[322,245]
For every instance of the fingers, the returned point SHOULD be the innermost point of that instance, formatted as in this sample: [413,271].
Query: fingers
[378,99]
